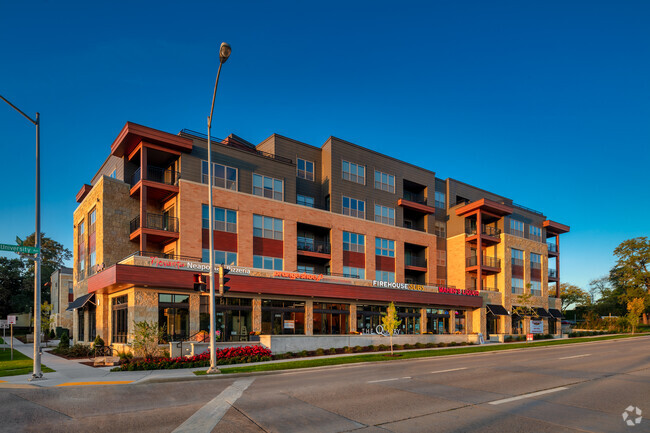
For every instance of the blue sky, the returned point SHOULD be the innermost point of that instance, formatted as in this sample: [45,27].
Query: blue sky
[547,103]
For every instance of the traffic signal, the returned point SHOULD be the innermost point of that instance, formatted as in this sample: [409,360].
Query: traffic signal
[199,283]
[223,280]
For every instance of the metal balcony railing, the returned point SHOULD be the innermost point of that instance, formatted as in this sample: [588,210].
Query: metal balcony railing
[157,174]
[552,248]
[420,262]
[415,198]
[486,231]
[552,273]
[314,246]
[157,222]
[488,261]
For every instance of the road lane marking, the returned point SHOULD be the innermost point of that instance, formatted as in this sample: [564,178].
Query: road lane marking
[532,394]
[388,380]
[206,418]
[576,356]
[451,369]
[108,382]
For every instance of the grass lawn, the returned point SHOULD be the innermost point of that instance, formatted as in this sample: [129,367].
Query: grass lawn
[20,365]
[381,356]
[1,340]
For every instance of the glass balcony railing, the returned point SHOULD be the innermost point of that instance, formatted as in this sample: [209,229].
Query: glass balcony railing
[552,248]
[420,262]
[488,261]
[314,246]
[156,222]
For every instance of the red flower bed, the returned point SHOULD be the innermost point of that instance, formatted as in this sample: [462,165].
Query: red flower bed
[231,355]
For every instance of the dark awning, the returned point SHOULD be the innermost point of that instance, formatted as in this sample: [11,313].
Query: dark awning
[541,312]
[556,313]
[497,310]
[79,302]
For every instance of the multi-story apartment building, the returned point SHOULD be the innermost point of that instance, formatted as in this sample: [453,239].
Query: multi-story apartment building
[61,295]
[318,240]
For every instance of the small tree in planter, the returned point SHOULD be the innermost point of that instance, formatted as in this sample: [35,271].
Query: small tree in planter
[390,322]
[146,338]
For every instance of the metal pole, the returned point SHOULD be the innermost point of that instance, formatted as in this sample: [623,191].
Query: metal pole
[37,374]
[213,324]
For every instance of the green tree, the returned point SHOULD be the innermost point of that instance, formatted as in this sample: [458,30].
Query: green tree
[146,339]
[390,322]
[632,271]
[635,308]
[573,295]
[46,319]
[53,257]
[13,295]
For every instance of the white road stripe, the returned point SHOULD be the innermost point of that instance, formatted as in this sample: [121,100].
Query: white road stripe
[388,380]
[206,418]
[532,394]
[451,369]
[576,356]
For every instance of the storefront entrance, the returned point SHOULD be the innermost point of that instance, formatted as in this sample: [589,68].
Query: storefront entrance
[283,317]
[437,321]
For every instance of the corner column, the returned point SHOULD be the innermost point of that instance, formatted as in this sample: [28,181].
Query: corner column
[479,251]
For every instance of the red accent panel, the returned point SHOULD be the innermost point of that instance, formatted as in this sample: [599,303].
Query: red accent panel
[83,192]
[536,274]
[385,263]
[70,297]
[517,271]
[223,241]
[268,247]
[354,259]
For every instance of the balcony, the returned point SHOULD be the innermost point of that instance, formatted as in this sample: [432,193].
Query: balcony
[313,248]
[489,234]
[415,202]
[157,227]
[552,249]
[487,289]
[161,182]
[552,274]
[490,265]
[415,263]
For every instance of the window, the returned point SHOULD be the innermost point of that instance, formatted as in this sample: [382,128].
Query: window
[271,263]
[441,258]
[305,200]
[120,317]
[354,242]
[385,276]
[220,257]
[517,257]
[535,261]
[351,272]
[222,175]
[305,169]
[354,172]
[306,242]
[440,200]
[267,227]
[354,207]
[535,233]
[268,187]
[517,286]
[536,288]
[384,247]
[306,269]
[81,253]
[113,174]
[225,220]
[384,215]
[80,322]
[517,228]
[385,182]
[174,316]
[440,229]
[92,255]
[70,292]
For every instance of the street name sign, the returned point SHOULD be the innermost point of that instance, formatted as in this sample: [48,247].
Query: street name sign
[19,249]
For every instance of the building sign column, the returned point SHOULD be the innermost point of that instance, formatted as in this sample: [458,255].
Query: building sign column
[353,318]
[309,317]
[257,314]
[452,321]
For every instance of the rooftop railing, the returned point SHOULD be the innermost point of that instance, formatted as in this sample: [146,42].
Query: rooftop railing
[156,222]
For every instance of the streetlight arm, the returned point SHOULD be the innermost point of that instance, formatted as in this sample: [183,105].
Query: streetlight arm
[35,122]
[214,95]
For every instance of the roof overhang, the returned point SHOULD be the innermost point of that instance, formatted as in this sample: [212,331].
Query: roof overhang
[555,228]
[83,192]
[484,204]
[132,134]
[80,302]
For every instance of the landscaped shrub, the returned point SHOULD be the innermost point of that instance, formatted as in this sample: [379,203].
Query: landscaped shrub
[398,346]
[347,349]
[358,349]
[64,342]
[303,354]
[98,342]
[231,355]
[52,335]
[409,346]
[320,352]
[453,344]
[383,347]
[332,351]
[419,345]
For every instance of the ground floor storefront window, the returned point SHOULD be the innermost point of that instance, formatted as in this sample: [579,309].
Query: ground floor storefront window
[459,327]
[283,317]
[517,324]
[119,319]
[369,317]
[410,318]
[234,318]
[80,328]
[331,318]
[437,321]
[92,326]
[552,326]
[174,316]
[492,324]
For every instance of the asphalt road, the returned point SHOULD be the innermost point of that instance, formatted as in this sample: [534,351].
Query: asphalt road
[584,387]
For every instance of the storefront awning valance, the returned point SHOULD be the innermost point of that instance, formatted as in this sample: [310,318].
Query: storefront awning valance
[556,313]
[497,310]
[541,312]
[79,302]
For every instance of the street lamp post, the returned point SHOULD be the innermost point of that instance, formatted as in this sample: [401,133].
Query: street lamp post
[37,373]
[224,53]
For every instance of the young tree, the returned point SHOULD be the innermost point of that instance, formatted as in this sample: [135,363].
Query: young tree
[390,322]
[635,308]
[146,339]
[632,270]
[46,319]
[12,291]
[573,295]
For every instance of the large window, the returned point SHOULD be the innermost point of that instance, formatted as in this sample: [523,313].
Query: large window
[517,228]
[536,288]
[518,286]
[517,257]
[441,257]
[384,215]
[385,182]
[349,271]
[174,316]
[331,318]
[305,200]
[440,229]
[81,250]
[220,257]
[535,233]
[222,175]
[225,220]
[305,169]
[271,263]
[440,200]
[535,261]
[307,269]
[437,321]
[354,207]
[385,276]
[81,324]
[92,254]
[268,187]
[384,247]
[234,318]
[354,242]
[283,317]
[354,172]
[267,227]
[120,319]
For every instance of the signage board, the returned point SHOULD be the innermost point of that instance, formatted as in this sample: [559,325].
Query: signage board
[536,327]
[289,324]
[529,337]
[4,324]
[11,320]
[19,249]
